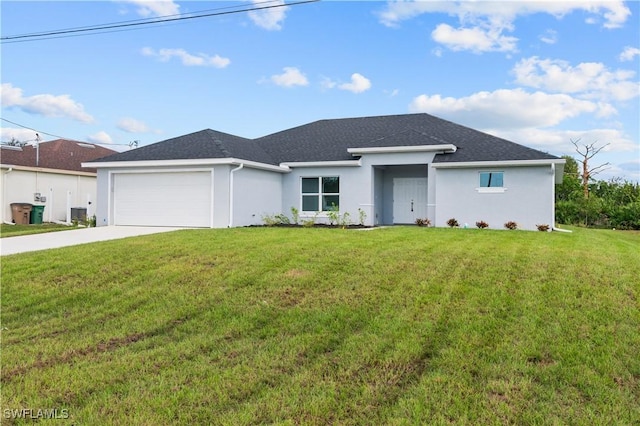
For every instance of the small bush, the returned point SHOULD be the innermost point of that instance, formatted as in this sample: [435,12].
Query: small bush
[453,223]
[362,215]
[344,220]
[511,225]
[333,214]
[482,224]
[423,222]
[278,219]
[543,228]
[295,215]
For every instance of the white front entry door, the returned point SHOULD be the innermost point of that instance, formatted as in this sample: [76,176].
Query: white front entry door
[409,199]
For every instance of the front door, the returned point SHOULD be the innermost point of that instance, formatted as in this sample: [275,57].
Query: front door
[409,199]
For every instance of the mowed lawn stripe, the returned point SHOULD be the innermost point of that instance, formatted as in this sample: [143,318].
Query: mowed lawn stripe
[401,325]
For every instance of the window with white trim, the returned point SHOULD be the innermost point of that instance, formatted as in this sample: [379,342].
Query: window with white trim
[491,182]
[491,179]
[320,193]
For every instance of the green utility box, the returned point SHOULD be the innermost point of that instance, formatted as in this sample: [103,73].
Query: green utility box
[37,213]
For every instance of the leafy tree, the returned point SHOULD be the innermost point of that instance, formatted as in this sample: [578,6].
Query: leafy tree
[570,188]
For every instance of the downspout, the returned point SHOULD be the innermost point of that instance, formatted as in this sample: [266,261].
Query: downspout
[553,201]
[240,167]
[4,194]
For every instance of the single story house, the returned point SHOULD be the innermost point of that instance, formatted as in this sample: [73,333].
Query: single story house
[385,169]
[49,174]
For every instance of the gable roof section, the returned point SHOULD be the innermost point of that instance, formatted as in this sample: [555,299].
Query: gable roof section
[329,140]
[60,154]
[205,144]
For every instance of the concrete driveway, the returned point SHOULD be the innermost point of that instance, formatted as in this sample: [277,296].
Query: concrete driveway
[49,240]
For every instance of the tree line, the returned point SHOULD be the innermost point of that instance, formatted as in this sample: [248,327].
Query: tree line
[585,201]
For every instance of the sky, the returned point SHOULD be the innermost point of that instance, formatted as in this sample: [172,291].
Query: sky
[543,74]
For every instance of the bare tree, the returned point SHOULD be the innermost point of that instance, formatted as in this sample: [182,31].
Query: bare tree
[587,152]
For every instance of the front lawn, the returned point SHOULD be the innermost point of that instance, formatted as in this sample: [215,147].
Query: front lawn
[403,325]
[7,230]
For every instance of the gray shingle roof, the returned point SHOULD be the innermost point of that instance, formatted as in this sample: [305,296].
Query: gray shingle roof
[328,140]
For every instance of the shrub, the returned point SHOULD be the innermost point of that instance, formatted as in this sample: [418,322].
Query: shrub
[345,219]
[453,223]
[543,228]
[511,225]
[333,214]
[423,222]
[295,215]
[278,219]
[362,215]
[482,224]
[282,219]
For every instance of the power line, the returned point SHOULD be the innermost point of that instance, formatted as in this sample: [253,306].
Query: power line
[139,22]
[40,132]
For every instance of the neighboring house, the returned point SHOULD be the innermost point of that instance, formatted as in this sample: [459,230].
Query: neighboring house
[395,169]
[49,174]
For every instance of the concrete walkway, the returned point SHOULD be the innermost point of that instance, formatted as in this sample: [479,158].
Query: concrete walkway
[49,240]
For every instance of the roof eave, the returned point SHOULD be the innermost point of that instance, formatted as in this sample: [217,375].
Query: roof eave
[497,163]
[340,163]
[186,162]
[442,148]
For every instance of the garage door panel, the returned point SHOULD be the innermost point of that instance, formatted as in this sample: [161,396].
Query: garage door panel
[163,199]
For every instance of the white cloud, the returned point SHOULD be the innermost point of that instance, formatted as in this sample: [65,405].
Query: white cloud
[560,140]
[187,59]
[44,104]
[290,77]
[505,109]
[132,125]
[483,23]
[614,12]
[549,37]
[101,137]
[272,18]
[587,79]
[22,135]
[629,53]
[475,39]
[151,8]
[327,83]
[358,84]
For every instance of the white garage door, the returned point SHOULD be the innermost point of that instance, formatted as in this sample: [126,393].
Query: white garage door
[163,199]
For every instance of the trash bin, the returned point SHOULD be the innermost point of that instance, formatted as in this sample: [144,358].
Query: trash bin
[20,213]
[37,213]
[79,214]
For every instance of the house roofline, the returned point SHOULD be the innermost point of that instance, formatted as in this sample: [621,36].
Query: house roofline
[48,170]
[493,163]
[186,162]
[557,171]
[340,163]
[444,148]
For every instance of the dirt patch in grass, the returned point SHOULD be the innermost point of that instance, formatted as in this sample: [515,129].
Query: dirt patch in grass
[70,356]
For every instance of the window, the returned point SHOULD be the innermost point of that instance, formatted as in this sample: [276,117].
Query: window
[320,193]
[491,179]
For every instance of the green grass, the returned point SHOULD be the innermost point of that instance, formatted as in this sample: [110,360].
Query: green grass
[397,326]
[16,230]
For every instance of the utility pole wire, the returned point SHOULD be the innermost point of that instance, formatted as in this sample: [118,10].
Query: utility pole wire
[169,18]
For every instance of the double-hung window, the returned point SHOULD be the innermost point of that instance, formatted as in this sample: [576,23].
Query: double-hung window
[320,193]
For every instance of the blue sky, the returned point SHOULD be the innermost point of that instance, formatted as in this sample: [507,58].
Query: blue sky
[537,73]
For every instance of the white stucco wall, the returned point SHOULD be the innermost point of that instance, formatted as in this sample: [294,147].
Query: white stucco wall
[528,198]
[355,190]
[60,189]
[257,193]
